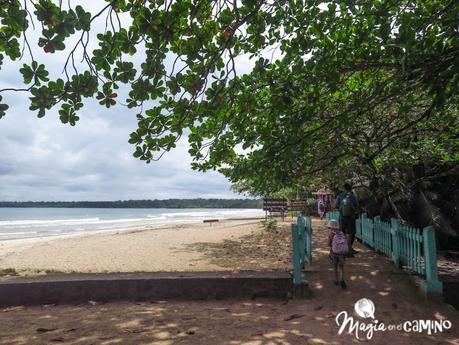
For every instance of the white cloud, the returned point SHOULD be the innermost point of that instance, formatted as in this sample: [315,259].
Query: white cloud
[42,159]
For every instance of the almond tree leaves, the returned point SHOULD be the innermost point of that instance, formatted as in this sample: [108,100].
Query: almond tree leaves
[68,114]
[44,97]
[124,71]
[3,108]
[70,93]
[35,73]
[14,22]
[59,24]
[82,18]
[198,32]
[327,79]
[361,105]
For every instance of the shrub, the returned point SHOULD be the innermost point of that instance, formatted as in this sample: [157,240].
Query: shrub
[270,225]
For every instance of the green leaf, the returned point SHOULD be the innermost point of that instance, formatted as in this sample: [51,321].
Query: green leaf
[3,108]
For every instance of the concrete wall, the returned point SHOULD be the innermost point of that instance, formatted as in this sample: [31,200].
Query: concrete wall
[81,288]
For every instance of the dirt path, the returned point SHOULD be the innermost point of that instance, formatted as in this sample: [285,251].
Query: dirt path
[256,322]
[373,276]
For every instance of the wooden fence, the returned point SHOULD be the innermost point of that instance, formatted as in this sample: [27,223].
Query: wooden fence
[301,246]
[332,215]
[407,246]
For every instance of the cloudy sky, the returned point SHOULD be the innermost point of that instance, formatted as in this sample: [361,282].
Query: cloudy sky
[43,159]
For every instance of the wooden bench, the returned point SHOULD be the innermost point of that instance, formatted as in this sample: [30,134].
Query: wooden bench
[210,221]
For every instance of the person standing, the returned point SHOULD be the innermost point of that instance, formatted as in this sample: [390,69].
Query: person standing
[348,207]
[321,209]
[339,249]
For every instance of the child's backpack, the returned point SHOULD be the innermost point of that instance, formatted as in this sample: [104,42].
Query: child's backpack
[339,244]
[346,207]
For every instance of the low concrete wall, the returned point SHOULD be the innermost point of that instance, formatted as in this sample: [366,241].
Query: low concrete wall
[78,288]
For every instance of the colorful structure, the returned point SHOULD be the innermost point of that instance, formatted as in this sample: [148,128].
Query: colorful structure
[325,201]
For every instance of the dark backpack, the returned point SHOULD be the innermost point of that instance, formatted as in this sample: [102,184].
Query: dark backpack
[346,205]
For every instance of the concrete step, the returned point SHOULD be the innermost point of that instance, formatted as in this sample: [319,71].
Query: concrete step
[80,288]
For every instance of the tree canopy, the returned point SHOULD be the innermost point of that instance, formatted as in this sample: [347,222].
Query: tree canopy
[334,90]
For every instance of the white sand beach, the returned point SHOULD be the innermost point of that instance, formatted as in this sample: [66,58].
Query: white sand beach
[178,247]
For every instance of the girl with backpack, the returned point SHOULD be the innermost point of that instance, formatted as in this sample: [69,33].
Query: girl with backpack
[339,249]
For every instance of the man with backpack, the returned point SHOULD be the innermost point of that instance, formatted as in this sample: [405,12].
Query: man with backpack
[339,249]
[348,208]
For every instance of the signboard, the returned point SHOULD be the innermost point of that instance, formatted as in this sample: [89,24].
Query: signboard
[275,205]
[298,205]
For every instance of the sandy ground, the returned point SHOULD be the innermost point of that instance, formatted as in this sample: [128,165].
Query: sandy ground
[256,322]
[226,245]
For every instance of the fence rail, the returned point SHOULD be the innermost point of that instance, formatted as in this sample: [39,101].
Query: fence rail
[332,215]
[301,246]
[407,246]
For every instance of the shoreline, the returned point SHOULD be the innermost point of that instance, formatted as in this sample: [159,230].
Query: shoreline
[96,232]
[124,229]
[133,228]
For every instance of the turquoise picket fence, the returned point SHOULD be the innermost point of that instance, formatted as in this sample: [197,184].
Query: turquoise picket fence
[367,232]
[382,239]
[332,215]
[407,246]
[301,246]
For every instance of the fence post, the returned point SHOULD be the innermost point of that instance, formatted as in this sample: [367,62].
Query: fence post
[296,260]
[301,227]
[372,233]
[367,231]
[358,227]
[308,235]
[363,218]
[394,226]
[377,234]
[431,285]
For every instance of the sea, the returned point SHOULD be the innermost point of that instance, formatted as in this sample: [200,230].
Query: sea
[21,223]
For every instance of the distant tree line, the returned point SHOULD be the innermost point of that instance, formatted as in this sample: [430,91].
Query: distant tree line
[167,203]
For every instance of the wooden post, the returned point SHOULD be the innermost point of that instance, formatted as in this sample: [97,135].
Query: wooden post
[358,229]
[308,230]
[358,235]
[297,280]
[418,252]
[301,238]
[431,286]
[372,232]
[411,248]
[364,226]
[394,226]
[377,234]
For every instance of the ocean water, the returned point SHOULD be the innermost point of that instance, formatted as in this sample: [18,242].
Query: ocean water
[19,223]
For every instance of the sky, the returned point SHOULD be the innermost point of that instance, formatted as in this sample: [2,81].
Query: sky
[45,160]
